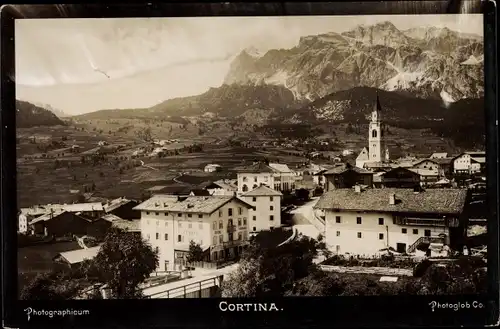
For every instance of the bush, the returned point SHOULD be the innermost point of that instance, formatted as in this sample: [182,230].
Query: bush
[421,268]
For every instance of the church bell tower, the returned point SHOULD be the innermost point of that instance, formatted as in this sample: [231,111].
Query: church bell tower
[376,147]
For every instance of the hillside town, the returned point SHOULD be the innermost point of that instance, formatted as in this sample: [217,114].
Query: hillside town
[414,207]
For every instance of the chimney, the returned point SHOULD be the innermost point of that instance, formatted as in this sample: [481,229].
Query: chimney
[357,189]
[190,205]
[392,199]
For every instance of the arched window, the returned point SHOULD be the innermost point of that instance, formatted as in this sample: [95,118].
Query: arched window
[245,188]
[374,133]
[255,186]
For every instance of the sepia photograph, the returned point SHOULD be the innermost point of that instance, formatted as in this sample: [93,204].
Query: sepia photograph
[272,156]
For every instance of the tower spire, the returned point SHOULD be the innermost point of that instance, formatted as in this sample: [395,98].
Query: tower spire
[377,106]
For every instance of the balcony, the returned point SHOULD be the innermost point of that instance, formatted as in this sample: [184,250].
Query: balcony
[435,222]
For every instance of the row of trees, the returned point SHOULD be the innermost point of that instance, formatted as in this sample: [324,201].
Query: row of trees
[289,271]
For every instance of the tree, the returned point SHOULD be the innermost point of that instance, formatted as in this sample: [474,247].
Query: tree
[52,286]
[123,262]
[195,252]
[271,271]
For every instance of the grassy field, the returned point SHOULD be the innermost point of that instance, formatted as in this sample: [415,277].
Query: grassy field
[39,259]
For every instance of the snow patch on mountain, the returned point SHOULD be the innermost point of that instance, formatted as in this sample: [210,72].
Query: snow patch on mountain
[254,52]
[471,61]
[279,78]
[403,80]
[447,98]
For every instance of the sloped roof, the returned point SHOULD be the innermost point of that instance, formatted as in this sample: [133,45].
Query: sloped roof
[115,204]
[262,191]
[90,206]
[257,168]
[200,192]
[439,201]
[226,185]
[344,167]
[48,216]
[363,155]
[280,167]
[78,256]
[190,204]
[439,154]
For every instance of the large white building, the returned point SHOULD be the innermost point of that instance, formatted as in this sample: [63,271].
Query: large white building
[364,222]
[469,162]
[377,151]
[219,224]
[267,213]
[274,175]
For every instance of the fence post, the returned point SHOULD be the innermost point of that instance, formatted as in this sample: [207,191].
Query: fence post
[200,290]
[185,292]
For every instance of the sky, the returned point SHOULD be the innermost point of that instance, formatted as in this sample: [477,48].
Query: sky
[85,65]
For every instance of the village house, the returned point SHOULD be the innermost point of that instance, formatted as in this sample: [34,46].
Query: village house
[73,258]
[60,223]
[397,178]
[212,167]
[221,187]
[469,163]
[219,224]
[123,208]
[273,175]
[344,176]
[267,213]
[442,155]
[431,165]
[427,176]
[100,227]
[365,222]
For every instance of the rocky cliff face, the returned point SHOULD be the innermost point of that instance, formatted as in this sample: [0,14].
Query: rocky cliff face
[429,62]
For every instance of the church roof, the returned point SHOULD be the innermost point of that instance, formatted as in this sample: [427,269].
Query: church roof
[363,155]
[377,106]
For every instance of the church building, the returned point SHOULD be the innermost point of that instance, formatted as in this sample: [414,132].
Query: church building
[376,152]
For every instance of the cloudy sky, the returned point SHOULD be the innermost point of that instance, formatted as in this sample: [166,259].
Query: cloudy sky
[83,65]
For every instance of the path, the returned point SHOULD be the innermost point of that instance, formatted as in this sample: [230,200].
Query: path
[142,164]
[175,179]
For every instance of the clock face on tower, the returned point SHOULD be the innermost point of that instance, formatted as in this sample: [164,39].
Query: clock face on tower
[374,116]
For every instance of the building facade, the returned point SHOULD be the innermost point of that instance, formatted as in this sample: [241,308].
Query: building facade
[346,176]
[469,163]
[267,213]
[366,222]
[275,176]
[399,178]
[219,224]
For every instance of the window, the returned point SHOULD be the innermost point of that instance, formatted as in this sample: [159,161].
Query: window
[190,225]
[179,238]
[271,199]
[359,235]
[147,212]
[358,220]
[239,221]
[180,224]
[215,239]
[221,225]
[157,222]
[255,179]
[230,212]
[157,213]
[254,217]
[254,199]
[220,213]
[415,231]
[403,230]
[245,188]
[271,228]
[166,214]
[271,217]
[200,225]
[190,215]
[337,219]
[374,133]
[179,215]
[254,229]
[214,225]
[338,233]
[244,179]
[240,210]
[381,236]
[220,238]
[380,221]
[271,208]
[157,236]
[200,216]
[266,179]
[427,232]
[166,236]
[337,248]
[239,236]
[244,221]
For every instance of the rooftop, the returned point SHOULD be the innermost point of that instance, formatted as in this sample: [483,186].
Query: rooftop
[440,201]
[343,167]
[262,191]
[280,167]
[199,192]
[424,172]
[48,216]
[191,204]
[79,255]
[257,168]
[115,204]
